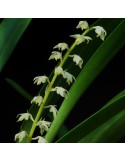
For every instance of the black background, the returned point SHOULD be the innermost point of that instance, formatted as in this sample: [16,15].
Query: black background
[30,59]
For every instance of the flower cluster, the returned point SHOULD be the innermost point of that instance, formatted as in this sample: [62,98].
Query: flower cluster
[39,100]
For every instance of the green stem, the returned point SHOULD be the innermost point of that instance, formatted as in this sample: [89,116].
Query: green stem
[49,89]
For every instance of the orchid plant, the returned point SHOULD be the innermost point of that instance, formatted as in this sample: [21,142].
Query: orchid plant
[61,53]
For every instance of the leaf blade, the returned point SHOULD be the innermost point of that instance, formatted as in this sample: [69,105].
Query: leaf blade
[11,30]
[19,89]
[94,121]
[107,131]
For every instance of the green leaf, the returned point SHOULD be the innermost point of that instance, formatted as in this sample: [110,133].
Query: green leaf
[94,66]
[101,119]
[19,89]
[110,131]
[11,29]
[85,51]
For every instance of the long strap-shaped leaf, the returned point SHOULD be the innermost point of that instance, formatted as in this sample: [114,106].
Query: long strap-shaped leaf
[111,131]
[94,66]
[10,32]
[19,89]
[106,113]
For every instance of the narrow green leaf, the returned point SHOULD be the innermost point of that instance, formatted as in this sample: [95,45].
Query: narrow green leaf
[10,32]
[106,113]
[111,131]
[19,89]
[93,67]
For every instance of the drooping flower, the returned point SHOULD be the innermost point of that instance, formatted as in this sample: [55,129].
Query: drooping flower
[40,139]
[56,55]
[37,100]
[25,116]
[62,46]
[81,38]
[20,136]
[100,31]
[40,79]
[43,125]
[69,77]
[61,91]
[52,109]
[58,70]
[83,25]
[77,59]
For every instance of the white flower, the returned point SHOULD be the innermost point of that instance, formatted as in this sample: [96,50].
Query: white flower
[52,109]
[58,70]
[56,55]
[78,60]
[20,136]
[82,25]
[40,139]
[61,91]
[25,116]
[69,78]
[40,79]
[100,31]
[43,125]
[81,38]
[62,46]
[37,100]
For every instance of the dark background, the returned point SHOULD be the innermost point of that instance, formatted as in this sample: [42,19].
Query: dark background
[30,59]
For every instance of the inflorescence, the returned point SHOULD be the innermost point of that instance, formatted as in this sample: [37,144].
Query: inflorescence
[40,122]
